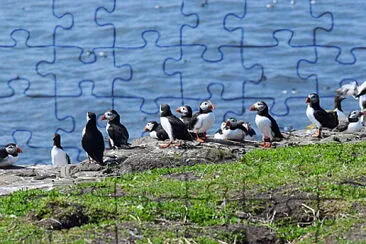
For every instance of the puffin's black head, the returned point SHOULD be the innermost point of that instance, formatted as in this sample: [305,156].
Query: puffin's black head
[165,110]
[91,116]
[354,116]
[150,126]
[110,115]
[337,102]
[185,110]
[57,140]
[206,106]
[13,149]
[261,107]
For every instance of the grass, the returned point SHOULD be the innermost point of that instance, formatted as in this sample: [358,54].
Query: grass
[302,194]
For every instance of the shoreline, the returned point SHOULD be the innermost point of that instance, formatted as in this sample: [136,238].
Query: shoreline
[145,154]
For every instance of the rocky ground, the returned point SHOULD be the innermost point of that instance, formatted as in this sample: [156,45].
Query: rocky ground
[144,154]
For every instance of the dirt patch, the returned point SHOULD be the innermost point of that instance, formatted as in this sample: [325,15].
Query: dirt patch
[61,215]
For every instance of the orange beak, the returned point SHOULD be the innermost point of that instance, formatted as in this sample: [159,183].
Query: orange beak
[252,108]
[145,128]
[307,100]
[212,106]
[103,117]
[19,150]
[177,110]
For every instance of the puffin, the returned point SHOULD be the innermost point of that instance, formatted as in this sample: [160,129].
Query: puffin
[156,131]
[266,124]
[202,120]
[358,92]
[58,155]
[117,132]
[338,108]
[319,116]
[354,123]
[240,128]
[92,139]
[223,132]
[173,126]
[186,114]
[9,154]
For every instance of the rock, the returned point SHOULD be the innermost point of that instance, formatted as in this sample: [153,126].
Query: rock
[145,154]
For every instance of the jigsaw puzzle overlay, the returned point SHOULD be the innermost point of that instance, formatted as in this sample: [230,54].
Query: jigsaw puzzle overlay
[62,58]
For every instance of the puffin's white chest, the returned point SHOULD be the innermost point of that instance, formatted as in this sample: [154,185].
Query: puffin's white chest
[58,156]
[153,135]
[8,161]
[264,124]
[310,115]
[164,121]
[354,127]
[204,122]
[341,116]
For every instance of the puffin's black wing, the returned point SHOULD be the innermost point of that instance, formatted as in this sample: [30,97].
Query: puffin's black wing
[179,129]
[326,119]
[219,131]
[193,120]
[275,128]
[68,159]
[119,134]
[3,153]
[93,144]
[161,133]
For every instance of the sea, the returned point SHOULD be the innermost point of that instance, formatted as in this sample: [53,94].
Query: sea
[63,58]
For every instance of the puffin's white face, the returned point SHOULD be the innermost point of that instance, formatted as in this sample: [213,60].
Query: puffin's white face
[355,114]
[11,149]
[207,105]
[258,106]
[182,110]
[109,115]
[223,126]
[149,126]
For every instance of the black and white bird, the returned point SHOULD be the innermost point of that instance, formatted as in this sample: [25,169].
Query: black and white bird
[240,128]
[92,139]
[318,116]
[358,92]
[338,108]
[117,132]
[353,124]
[9,154]
[186,114]
[156,131]
[58,155]
[173,126]
[266,124]
[203,120]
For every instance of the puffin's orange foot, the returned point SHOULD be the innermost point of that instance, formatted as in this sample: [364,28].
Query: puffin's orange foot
[200,140]
[165,145]
[267,145]
[318,134]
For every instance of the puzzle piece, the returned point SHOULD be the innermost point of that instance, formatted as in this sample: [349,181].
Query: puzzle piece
[37,19]
[35,115]
[85,101]
[69,71]
[85,33]
[209,29]
[149,80]
[20,61]
[144,16]
[261,19]
[338,73]
[345,32]
[280,80]
[195,83]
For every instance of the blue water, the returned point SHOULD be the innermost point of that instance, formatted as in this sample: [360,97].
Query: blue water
[62,58]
